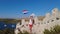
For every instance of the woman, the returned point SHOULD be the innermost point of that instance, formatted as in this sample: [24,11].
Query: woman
[31,22]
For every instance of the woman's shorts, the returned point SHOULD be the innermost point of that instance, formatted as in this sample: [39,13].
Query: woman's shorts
[30,26]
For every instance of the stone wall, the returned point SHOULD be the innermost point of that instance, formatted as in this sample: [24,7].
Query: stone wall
[49,21]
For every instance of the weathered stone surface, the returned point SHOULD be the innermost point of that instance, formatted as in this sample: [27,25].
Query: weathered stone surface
[49,21]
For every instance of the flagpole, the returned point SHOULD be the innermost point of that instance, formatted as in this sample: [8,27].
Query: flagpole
[24,13]
[24,16]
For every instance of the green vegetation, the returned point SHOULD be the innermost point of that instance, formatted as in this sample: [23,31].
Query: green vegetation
[7,31]
[25,32]
[11,31]
[54,30]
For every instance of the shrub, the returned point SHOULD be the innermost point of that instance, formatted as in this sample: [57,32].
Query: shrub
[55,30]
[25,32]
[7,31]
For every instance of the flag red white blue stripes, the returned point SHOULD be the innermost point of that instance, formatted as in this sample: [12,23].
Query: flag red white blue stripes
[25,11]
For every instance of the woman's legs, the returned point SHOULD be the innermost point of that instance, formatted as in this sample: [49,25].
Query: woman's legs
[30,27]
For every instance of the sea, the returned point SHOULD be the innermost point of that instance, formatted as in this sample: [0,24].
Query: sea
[4,25]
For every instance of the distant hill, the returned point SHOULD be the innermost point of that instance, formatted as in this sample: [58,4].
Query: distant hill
[9,20]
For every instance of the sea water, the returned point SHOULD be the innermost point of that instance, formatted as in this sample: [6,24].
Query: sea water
[4,25]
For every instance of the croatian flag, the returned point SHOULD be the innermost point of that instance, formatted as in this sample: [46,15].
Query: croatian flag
[25,11]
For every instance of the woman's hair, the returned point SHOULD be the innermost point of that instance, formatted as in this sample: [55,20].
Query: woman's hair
[33,21]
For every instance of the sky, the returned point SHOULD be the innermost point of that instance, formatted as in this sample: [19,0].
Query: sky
[14,8]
